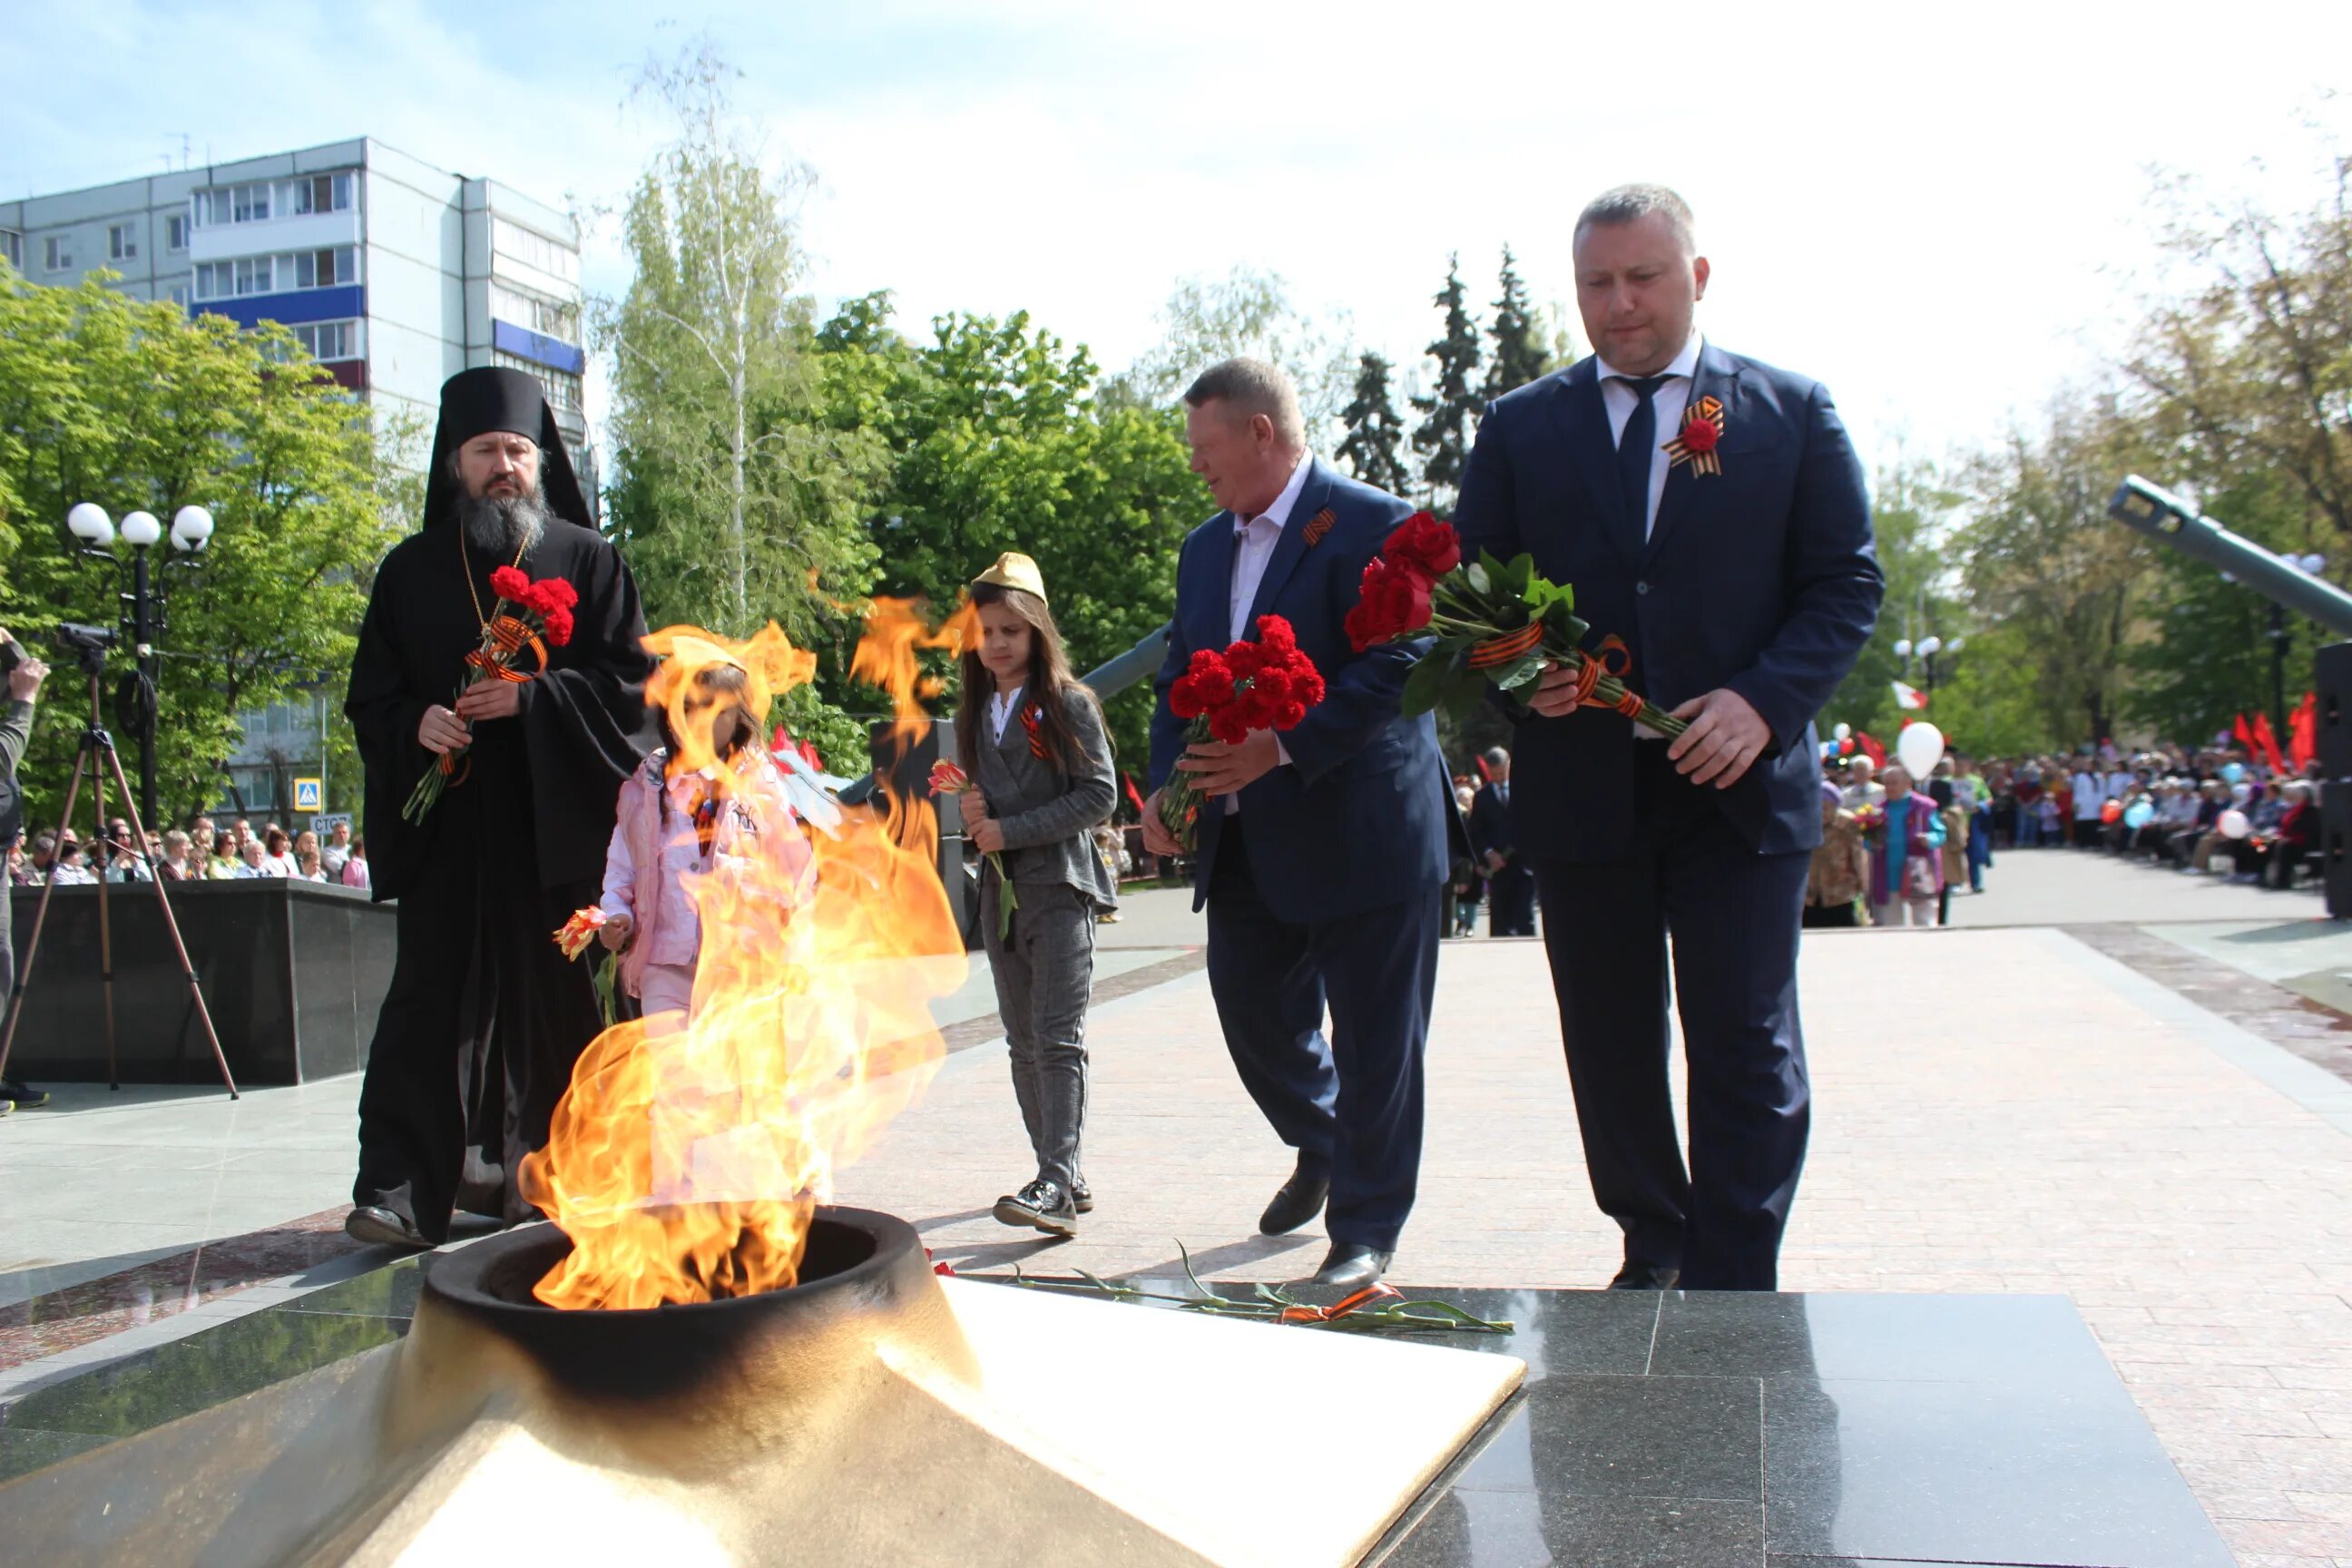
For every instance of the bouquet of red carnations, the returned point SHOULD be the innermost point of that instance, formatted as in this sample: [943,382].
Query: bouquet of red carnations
[1497,623]
[529,618]
[1268,684]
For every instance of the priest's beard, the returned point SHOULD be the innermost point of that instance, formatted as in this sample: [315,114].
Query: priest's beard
[504,526]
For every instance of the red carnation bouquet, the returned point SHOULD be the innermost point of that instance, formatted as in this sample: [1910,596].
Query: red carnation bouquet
[1498,623]
[528,619]
[1268,684]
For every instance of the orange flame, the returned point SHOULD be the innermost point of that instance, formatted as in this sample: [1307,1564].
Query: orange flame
[687,1156]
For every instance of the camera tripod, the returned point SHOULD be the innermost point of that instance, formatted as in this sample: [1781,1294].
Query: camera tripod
[97,758]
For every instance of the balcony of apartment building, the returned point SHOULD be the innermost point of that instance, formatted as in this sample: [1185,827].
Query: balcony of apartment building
[287,251]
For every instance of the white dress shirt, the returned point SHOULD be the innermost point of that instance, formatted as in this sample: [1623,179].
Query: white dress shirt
[1001,705]
[1670,400]
[1254,541]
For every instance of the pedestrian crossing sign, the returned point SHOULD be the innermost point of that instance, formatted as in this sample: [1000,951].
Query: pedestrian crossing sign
[308,795]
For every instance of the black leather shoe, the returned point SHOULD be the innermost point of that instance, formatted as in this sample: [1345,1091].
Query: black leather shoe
[383,1227]
[1350,1266]
[1645,1277]
[1083,1196]
[1300,1200]
[1042,1204]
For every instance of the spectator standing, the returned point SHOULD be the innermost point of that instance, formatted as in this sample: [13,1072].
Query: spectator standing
[337,851]
[2090,794]
[223,867]
[26,674]
[1841,867]
[307,866]
[249,861]
[1862,787]
[1906,864]
[175,865]
[277,859]
[355,868]
[1510,885]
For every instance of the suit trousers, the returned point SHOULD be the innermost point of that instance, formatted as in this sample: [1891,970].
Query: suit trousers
[1044,972]
[1734,916]
[1512,892]
[1351,1104]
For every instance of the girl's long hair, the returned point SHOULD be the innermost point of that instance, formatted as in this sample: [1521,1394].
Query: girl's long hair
[741,729]
[1048,681]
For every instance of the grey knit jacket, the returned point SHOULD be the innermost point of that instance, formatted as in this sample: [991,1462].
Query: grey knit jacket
[1049,817]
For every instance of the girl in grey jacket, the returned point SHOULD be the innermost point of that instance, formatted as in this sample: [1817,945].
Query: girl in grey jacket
[1031,740]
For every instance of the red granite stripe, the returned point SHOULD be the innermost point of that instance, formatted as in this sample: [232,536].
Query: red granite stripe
[81,1314]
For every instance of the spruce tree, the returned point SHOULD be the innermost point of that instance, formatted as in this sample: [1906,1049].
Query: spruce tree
[1443,437]
[1375,430]
[1520,354]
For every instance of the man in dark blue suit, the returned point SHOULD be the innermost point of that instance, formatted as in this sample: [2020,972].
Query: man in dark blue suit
[1510,885]
[1321,853]
[1736,563]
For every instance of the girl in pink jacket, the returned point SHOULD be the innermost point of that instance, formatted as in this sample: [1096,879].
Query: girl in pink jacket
[679,827]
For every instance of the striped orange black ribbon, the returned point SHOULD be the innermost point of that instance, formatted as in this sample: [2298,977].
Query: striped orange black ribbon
[1340,1309]
[1506,648]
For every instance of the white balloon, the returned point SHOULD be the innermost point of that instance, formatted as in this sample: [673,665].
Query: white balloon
[2233,824]
[1841,732]
[1920,748]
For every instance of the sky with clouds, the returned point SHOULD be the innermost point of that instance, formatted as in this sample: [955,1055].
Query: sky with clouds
[1943,212]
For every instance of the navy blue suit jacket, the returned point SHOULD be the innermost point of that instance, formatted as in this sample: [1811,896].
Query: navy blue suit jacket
[1360,817]
[1761,578]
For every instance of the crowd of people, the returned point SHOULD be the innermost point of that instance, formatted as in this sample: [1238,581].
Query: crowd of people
[1894,850]
[200,853]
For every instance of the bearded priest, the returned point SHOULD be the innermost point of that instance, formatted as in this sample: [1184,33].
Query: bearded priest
[485,1017]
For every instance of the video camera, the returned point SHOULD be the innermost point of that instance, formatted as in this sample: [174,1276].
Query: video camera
[86,645]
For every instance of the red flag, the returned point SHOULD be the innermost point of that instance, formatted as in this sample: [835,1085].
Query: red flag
[1132,792]
[2302,731]
[1870,748]
[2241,734]
[2267,739]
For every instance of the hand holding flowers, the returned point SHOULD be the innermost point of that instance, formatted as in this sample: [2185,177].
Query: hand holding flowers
[948,779]
[528,618]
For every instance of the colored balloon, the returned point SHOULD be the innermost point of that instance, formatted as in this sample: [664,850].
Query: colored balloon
[2233,772]
[1841,732]
[1920,748]
[2233,824]
[2112,812]
[2140,815]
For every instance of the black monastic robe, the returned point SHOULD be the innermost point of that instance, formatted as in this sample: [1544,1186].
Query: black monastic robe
[485,1017]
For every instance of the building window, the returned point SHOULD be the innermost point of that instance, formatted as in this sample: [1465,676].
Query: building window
[317,193]
[175,231]
[534,249]
[12,245]
[562,387]
[329,340]
[295,269]
[179,293]
[265,199]
[561,321]
[121,242]
[57,253]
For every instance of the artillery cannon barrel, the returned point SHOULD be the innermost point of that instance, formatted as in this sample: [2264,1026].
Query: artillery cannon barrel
[2150,509]
[1138,663]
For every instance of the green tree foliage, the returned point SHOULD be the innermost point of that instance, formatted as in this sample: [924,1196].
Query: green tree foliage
[1451,412]
[1911,517]
[999,444]
[1248,313]
[1372,448]
[2044,559]
[135,405]
[740,492]
[1519,354]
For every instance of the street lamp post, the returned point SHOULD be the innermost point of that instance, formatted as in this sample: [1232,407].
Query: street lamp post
[1927,649]
[142,612]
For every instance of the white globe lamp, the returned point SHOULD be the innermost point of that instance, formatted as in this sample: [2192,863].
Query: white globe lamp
[141,529]
[90,523]
[191,527]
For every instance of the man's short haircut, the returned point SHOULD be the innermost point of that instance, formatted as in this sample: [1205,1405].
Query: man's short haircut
[1496,757]
[1631,203]
[1250,387]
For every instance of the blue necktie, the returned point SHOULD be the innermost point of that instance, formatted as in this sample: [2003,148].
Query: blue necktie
[1634,450]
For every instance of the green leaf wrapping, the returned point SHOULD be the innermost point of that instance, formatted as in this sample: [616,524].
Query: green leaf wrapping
[1427,686]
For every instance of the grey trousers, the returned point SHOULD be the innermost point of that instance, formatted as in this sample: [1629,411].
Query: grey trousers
[1045,973]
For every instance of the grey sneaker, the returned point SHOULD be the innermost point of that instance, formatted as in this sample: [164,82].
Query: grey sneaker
[1083,1196]
[1043,1206]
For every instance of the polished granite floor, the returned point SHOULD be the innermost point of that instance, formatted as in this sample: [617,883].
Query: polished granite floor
[1653,1431]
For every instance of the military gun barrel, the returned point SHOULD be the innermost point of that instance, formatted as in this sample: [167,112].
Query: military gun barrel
[2150,509]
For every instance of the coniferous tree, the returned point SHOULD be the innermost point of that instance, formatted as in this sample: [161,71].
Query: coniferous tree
[1520,354]
[1442,437]
[1375,430]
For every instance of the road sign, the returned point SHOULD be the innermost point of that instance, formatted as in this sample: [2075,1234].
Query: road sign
[326,822]
[310,795]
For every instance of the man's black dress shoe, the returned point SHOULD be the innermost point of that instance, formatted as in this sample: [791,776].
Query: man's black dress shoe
[1083,1196]
[1043,1205]
[1350,1265]
[1300,1200]
[383,1227]
[1645,1277]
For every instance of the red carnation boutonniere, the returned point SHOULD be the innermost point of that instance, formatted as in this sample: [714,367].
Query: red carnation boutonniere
[1702,432]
